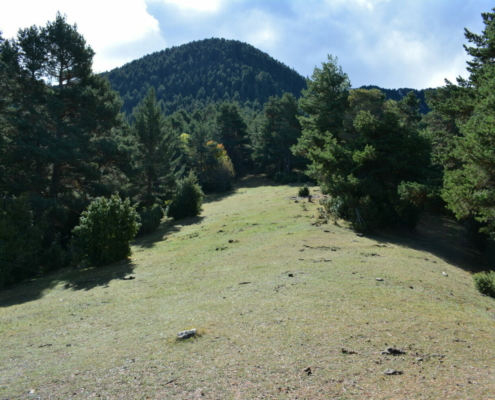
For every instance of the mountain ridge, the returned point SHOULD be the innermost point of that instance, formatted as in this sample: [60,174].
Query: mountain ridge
[207,71]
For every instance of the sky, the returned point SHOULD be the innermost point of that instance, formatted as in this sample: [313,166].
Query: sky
[388,43]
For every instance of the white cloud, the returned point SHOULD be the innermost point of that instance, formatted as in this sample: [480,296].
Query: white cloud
[260,29]
[194,5]
[104,24]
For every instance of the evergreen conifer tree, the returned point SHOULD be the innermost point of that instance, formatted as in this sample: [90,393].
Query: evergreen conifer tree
[233,134]
[157,144]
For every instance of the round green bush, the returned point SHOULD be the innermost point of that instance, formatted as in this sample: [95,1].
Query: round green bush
[150,219]
[106,229]
[187,200]
[485,283]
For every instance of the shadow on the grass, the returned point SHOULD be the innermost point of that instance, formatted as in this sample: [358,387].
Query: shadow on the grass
[165,229]
[72,279]
[441,236]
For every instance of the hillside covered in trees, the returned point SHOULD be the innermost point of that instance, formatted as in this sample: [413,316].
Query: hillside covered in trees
[199,73]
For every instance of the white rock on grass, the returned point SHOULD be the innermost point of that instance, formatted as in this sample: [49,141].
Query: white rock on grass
[187,334]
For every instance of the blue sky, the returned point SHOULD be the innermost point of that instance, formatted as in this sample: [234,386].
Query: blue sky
[389,43]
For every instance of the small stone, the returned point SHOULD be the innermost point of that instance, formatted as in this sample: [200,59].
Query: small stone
[187,334]
[390,371]
[379,279]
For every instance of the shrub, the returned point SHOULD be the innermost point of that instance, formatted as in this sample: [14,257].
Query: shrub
[105,230]
[187,200]
[219,178]
[304,191]
[485,283]
[150,219]
[333,208]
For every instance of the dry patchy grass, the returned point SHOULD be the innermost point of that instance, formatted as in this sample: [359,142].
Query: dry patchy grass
[286,310]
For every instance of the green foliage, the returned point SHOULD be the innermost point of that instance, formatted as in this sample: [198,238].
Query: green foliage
[399,94]
[332,208]
[21,239]
[485,283]
[157,144]
[187,200]
[279,130]
[304,191]
[105,230]
[150,219]
[463,134]
[62,123]
[233,134]
[205,72]
[362,148]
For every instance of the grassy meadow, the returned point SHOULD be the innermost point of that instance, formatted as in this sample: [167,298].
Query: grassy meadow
[285,308]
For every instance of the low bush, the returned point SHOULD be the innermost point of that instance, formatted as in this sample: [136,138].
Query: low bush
[150,219]
[304,191]
[332,208]
[187,200]
[485,283]
[106,229]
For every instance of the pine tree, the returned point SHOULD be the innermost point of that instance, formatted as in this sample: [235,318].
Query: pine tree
[363,148]
[63,143]
[233,134]
[461,127]
[279,131]
[157,144]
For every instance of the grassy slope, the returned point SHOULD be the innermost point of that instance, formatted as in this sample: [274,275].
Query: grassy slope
[88,333]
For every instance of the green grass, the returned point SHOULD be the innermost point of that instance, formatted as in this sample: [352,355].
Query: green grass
[88,333]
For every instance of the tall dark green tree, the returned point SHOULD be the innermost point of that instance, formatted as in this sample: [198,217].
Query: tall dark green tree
[233,134]
[279,131]
[157,144]
[462,130]
[62,143]
[323,104]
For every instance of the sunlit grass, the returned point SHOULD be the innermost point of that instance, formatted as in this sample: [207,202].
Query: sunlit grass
[271,294]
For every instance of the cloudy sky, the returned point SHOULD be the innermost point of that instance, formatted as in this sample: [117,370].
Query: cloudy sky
[389,43]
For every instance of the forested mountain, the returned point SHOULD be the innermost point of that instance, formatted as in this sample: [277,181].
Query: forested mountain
[203,72]
[399,94]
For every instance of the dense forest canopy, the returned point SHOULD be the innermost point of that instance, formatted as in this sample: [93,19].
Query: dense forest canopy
[203,72]
[199,73]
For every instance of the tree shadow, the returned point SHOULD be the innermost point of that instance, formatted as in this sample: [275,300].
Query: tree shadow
[91,278]
[165,229]
[441,236]
[71,279]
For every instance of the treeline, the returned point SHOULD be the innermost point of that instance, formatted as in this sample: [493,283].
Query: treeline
[399,94]
[69,155]
[203,72]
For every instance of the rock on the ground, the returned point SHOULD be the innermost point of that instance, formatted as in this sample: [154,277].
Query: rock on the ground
[187,334]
